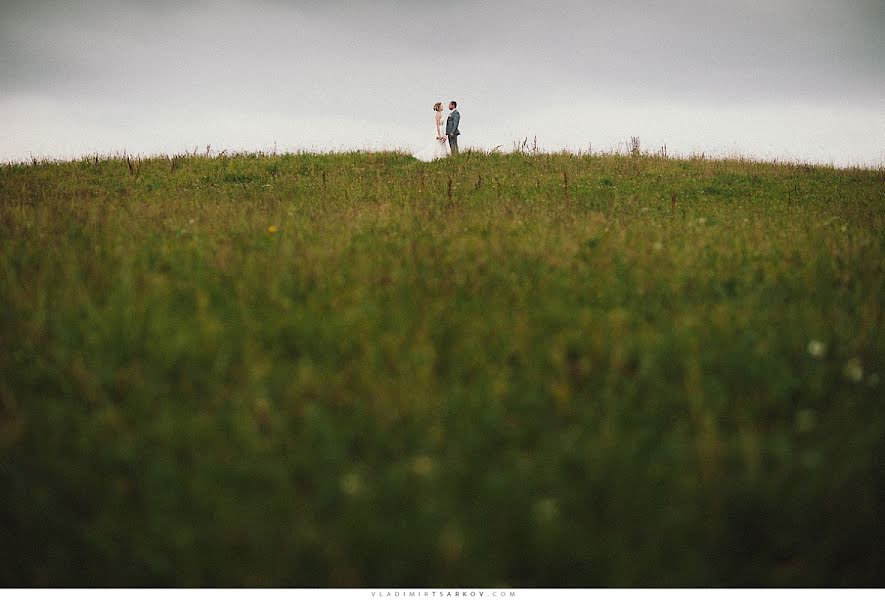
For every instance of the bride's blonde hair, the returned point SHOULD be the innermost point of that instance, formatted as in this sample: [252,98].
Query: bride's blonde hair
[437,106]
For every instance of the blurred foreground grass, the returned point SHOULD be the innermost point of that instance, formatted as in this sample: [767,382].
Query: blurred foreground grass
[359,370]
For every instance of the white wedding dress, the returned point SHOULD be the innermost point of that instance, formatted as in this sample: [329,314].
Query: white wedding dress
[437,148]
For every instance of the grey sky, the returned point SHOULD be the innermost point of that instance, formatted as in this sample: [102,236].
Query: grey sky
[791,79]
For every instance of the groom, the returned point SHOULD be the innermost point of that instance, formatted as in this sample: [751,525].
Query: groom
[452,127]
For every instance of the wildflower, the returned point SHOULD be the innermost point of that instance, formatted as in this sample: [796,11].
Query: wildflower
[853,370]
[658,246]
[816,348]
[422,465]
[546,510]
[272,229]
[351,484]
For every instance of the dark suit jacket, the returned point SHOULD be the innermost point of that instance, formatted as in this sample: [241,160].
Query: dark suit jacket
[452,123]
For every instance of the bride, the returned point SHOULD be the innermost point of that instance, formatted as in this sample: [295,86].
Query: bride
[438,148]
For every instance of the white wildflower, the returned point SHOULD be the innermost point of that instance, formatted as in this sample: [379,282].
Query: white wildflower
[816,348]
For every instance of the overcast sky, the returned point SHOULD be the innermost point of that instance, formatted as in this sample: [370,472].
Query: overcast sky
[789,79]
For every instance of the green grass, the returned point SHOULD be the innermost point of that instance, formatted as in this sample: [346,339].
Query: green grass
[496,370]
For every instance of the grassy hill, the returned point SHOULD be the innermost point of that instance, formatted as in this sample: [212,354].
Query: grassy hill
[360,370]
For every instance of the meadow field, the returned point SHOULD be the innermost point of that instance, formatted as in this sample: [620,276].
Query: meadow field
[513,369]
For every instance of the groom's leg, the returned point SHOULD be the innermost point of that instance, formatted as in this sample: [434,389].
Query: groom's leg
[453,143]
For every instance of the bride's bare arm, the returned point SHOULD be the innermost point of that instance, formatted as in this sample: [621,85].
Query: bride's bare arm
[438,121]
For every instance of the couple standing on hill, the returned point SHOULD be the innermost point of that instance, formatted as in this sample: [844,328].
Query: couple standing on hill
[439,148]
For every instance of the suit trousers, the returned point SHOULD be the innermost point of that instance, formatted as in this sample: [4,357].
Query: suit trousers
[453,144]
